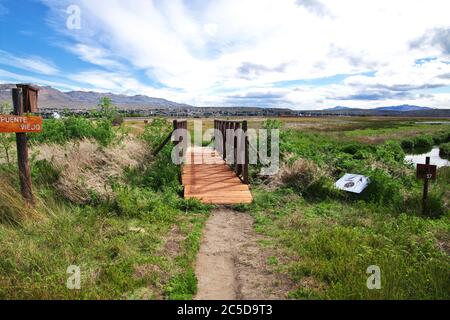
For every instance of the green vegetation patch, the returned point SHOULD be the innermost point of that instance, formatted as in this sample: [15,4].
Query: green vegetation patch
[331,244]
[140,242]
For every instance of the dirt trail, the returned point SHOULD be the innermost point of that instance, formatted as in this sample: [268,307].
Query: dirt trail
[231,264]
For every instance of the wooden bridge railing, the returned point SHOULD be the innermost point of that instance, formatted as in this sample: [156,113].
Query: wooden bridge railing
[177,124]
[223,147]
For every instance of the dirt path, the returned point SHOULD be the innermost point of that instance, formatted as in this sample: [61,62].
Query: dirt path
[231,264]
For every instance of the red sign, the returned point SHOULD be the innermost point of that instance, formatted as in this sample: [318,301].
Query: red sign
[12,123]
[426,171]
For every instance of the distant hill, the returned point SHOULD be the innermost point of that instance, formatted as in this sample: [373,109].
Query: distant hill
[401,108]
[53,98]
[338,108]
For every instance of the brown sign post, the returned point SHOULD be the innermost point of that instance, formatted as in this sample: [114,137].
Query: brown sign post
[24,101]
[426,172]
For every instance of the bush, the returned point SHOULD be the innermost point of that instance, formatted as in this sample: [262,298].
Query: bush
[272,124]
[156,131]
[407,144]
[351,148]
[104,132]
[383,190]
[441,137]
[61,131]
[445,149]
[299,175]
[423,142]
[117,120]
[390,152]
[324,188]
[162,174]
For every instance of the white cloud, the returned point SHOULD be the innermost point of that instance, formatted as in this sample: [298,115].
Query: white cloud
[203,51]
[210,29]
[28,63]
[120,83]
[94,55]
[12,77]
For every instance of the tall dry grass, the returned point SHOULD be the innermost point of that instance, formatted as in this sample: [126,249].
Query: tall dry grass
[299,174]
[13,209]
[87,169]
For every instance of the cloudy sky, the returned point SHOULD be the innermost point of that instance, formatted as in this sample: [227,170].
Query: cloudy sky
[302,54]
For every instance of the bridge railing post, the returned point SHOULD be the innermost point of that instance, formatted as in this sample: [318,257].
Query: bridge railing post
[175,123]
[236,151]
[245,174]
[224,135]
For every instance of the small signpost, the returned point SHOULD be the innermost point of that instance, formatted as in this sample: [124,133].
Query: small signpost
[426,172]
[24,101]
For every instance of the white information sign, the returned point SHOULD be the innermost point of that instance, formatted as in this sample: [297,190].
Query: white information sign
[355,183]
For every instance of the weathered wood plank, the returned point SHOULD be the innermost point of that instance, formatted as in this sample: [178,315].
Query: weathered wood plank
[212,182]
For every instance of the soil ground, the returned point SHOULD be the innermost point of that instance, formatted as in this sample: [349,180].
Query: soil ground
[232,264]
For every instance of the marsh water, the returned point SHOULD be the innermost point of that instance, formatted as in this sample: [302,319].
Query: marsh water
[435,158]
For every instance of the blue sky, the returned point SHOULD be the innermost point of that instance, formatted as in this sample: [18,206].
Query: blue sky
[301,54]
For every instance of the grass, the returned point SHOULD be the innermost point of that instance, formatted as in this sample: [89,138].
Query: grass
[139,242]
[331,243]
[329,238]
[116,261]
[445,149]
[106,204]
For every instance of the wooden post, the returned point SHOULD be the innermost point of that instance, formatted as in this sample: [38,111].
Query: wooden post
[224,137]
[425,189]
[245,166]
[22,150]
[175,124]
[215,135]
[237,165]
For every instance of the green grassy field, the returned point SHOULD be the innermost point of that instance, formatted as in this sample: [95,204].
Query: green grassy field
[109,208]
[329,238]
[107,205]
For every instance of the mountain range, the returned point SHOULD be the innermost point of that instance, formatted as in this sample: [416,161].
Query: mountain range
[401,108]
[51,99]
[55,99]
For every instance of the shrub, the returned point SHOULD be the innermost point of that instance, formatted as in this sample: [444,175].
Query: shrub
[423,142]
[351,148]
[272,124]
[104,133]
[383,190]
[390,152]
[299,174]
[445,149]
[117,120]
[407,144]
[156,131]
[441,137]
[161,174]
[61,131]
[324,188]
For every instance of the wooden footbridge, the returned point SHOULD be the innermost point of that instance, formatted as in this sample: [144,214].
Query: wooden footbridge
[218,174]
